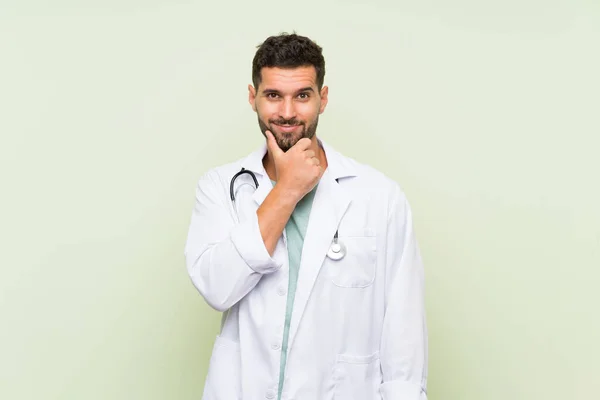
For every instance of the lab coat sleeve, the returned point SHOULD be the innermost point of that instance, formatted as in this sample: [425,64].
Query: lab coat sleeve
[224,259]
[404,337]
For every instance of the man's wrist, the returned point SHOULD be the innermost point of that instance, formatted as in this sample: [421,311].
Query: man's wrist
[286,197]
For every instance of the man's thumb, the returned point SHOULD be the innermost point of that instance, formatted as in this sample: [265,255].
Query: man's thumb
[272,144]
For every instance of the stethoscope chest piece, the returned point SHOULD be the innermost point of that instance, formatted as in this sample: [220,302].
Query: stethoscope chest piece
[337,250]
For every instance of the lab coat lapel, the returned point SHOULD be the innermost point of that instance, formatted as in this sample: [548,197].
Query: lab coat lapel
[254,163]
[329,205]
[264,187]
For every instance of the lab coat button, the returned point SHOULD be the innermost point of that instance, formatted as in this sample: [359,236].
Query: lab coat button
[275,346]
[281,291]
[270,394]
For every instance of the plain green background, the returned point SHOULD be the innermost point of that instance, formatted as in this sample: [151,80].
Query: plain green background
[487,113]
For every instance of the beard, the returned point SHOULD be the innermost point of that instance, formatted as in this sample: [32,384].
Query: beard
[286,140]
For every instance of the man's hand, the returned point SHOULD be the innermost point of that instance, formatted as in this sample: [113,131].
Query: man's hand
[298,170]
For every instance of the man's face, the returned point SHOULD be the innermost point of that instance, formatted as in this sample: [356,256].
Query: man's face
[288,103]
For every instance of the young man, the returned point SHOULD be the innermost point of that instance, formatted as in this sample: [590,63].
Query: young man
[317,270]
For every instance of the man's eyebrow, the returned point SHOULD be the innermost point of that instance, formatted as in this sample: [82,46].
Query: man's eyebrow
[306,89]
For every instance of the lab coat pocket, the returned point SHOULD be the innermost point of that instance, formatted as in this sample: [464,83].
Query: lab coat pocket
[357,377]
[357,268]
[223,381]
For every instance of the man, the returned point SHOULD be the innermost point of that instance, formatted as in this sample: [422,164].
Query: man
[317,270]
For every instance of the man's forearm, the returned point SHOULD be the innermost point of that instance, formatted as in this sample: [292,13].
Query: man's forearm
[273,215]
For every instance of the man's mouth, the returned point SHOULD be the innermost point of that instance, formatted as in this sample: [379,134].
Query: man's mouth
[287,128]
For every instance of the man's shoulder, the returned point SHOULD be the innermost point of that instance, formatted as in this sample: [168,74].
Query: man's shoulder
[376,187]
[371,178]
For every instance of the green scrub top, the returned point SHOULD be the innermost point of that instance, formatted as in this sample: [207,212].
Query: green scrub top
[295,232]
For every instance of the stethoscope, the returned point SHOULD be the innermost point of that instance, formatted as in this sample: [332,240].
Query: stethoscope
[337,249]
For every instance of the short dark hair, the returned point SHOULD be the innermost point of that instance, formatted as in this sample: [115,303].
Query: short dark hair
[288,51]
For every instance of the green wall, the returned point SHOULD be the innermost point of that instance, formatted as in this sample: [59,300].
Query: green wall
[487,114]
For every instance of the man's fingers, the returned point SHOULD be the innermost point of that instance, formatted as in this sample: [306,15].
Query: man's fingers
[321,171]
[303,144]
[309,153]
[313,161]
[272,145]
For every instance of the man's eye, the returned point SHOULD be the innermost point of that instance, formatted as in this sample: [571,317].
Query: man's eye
[303,96]
[271,95]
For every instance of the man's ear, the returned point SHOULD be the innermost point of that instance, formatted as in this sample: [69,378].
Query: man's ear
[252,97]
[324,94]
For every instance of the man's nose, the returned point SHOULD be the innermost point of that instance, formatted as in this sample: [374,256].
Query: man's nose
[287,111]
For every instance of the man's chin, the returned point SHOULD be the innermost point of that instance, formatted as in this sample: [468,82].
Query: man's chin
[285,145]
[286,140]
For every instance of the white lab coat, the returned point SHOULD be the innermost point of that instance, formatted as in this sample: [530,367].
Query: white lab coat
[358,327]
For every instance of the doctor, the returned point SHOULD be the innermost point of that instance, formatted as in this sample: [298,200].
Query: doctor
[317,271]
